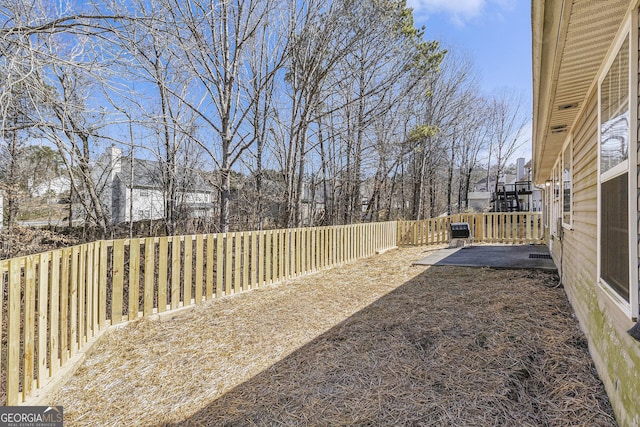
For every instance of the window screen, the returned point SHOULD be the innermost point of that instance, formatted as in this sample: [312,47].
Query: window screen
[614,243]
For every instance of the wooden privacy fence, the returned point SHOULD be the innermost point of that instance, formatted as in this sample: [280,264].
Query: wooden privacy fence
[55,303]
[506,228]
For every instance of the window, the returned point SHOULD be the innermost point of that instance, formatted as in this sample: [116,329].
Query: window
[566,184]
[614,114]
[556,208]
[615,178]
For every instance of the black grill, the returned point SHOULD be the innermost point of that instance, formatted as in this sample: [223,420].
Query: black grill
[460,230]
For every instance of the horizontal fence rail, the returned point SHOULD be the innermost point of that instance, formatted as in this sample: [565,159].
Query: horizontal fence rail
[504,228]
[55,302]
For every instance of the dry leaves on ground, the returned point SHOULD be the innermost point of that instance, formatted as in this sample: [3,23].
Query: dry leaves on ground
[375,342]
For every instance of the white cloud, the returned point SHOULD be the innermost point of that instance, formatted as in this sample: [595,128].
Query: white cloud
[459,11]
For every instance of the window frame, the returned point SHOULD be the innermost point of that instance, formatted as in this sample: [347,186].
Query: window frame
[556,196]
[568,148]
[629,30]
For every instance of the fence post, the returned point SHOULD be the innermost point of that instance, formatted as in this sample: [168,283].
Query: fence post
[13,333]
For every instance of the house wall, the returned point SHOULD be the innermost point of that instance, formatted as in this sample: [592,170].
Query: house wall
[195,197]
[147,204]
[615,354]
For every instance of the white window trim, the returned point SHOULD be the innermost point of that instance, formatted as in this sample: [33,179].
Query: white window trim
[556,201]
[630,29]
[567,145]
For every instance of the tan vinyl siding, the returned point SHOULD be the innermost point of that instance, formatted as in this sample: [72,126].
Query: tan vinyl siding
[579,244]
[615,354]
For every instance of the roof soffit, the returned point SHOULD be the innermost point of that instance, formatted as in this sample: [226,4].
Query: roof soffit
[570,41]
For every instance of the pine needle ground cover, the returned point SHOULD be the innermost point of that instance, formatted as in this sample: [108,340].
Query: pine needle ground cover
[375,342]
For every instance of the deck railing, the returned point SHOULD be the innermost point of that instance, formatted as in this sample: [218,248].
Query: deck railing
[57,303]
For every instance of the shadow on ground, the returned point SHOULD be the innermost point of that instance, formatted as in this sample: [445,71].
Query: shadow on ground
[454,346]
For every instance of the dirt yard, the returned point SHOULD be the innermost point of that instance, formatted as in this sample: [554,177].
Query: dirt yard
[376,342]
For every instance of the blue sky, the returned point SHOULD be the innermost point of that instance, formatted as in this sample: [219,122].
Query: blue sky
[495,34]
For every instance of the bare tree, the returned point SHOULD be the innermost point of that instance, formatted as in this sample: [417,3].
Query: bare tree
[159,112]
[474,140]
[215,41]
[506,123]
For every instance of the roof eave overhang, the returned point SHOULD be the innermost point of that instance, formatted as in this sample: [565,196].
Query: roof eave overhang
[549,21]
[570,41]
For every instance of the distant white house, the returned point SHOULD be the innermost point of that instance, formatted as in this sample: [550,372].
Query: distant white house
[133,188]
[55,187]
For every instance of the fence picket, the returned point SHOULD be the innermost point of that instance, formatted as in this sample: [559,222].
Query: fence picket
[64,305]
[54,313]
[28,326]
[289,262]
[228,267]
[90,286]
[175,271]
[261,257]
[13,332]
[102,284]
[253,256]
[43,300]
[237,274]
[149,277]
[4,269]
[199,268]
[219,264]
[235,270]
[187,268]
[73,302]
[134,278]
[245,260]
[118,282]
[298,252]
[281,255]
[163,270]
[209,257]
[268,258]
[82,289]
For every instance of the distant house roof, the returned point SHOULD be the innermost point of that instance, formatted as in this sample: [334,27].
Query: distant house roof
[148,174]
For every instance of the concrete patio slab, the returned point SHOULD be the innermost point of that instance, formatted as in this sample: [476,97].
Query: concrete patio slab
[493,256]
